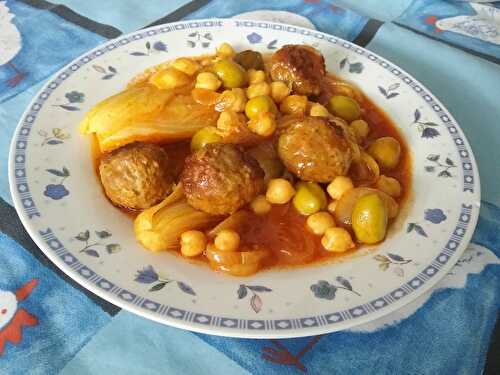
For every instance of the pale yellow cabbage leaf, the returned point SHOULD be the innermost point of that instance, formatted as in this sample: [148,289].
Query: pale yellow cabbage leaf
[145,113]
[159,228]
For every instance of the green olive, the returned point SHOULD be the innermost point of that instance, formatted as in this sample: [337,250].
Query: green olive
[250,60]
[204,136]
[309,198]
[258,105]
[344,107]
[369,219]
[230,73]
[386,151]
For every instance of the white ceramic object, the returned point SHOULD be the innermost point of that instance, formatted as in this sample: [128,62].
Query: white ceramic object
[61,203]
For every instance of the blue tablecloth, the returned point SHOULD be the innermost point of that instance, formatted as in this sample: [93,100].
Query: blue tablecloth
[453,47]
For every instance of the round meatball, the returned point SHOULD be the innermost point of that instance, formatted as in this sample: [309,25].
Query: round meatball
[220,178]
[301,67]
[314,150]
[136,176]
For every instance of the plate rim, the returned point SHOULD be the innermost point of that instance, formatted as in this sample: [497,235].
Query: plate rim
[219,330]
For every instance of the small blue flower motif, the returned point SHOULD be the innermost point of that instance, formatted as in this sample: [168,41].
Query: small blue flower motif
[75,96]
[429,133]
[323,289]
[147,275]
[254,38]
[435,215]
[55,191]
[160,46]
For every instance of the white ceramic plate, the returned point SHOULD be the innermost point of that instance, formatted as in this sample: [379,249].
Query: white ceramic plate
[62,206]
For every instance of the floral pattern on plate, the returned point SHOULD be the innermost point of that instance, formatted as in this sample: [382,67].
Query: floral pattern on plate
[353,67]
[392,260]
[427,129]
[107,72]
[56,136]
[255,300]
[433,215]
[324,289]
[57,191]
[436,165]
[148,275]
[73,97]
[149,48]
[93,248]
[255,38]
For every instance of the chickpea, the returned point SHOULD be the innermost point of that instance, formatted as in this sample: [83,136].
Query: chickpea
[310,198]
[294,105]
[260,205]
[204,96]
[185,65]
[234,100]
[389,185]
[230,120]
[258,89]
[337,240]
[206,61]
[386,151]
[256,76]
[264,125]
[332,206]
[319,222]
[225,50]
[360,128]
[193,243]
[240,100]
[204,136]
[258,105]
[169,78]
[318,110]
[369,219]
[230,73]
[344,107]
[279,91]
[339,186]
[227,240]
[207,80]
[279,191]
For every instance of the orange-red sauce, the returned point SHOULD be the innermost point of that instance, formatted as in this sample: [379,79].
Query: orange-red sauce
[283,230]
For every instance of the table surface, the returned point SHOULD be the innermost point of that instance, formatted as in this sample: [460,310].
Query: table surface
[452,47]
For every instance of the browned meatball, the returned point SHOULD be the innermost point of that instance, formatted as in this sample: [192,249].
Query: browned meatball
[301,67]
[220,178]
[314,150]
[136,176]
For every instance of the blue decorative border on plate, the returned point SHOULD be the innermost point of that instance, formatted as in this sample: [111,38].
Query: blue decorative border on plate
[272,324]
[227,322]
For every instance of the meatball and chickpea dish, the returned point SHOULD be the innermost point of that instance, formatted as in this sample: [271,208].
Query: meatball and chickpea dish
[249,161]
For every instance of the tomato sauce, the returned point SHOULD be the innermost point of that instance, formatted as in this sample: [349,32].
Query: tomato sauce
[283,230]
[284,233]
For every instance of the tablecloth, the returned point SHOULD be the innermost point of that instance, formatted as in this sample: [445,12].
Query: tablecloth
[453,47]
